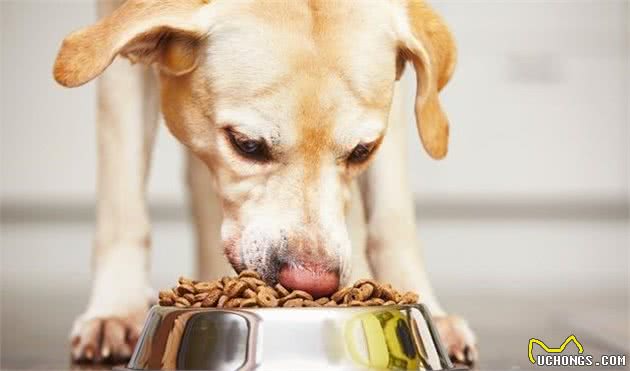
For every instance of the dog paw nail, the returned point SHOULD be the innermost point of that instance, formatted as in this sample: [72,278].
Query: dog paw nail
[89,354]
[459,356]
[105,352]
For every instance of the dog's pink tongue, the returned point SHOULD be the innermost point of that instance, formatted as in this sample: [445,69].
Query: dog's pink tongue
[316,283]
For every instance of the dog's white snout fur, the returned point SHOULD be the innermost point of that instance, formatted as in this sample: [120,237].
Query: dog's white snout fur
[265,246]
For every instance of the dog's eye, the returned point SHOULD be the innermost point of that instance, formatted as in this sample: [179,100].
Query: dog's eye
[360,153]
[247,147]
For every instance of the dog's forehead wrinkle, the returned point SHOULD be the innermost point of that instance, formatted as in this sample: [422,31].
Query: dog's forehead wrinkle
[288,36]
[243,64]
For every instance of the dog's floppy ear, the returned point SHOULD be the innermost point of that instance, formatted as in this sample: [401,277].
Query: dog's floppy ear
[163,31]
[428,44]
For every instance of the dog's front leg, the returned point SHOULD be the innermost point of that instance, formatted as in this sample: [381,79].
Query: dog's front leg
[127,117]
[392,247]
[207,217]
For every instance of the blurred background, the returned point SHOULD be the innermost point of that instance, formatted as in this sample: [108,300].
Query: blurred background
[525,224]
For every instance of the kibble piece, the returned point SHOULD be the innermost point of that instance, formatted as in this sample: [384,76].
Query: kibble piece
[296,294]
[252,282]
[370,287]
[202,286]
[355,295]
[201,296]
[196,305]
[311,303]
[293,303]
[185,281]
[167,294]
[212,298]
[233,303]
[367,289]
[374,301]
[249,294]
[166,302]
[378,291]
[225,280]
[250,285]
[340,294]
[388,293]
[331,303]
[249,303]
[322,300]
[282,291]
[301,294]
[235,288]
[184,288]
[222,300]
[249,273]
[190,297]
[409,298]
[265,299]
[389,302]
[208,286]
[182,302]
[347,299]
[364,281]
[268,290]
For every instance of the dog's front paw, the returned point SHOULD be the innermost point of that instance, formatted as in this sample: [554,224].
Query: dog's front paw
[107,339]
[458,339]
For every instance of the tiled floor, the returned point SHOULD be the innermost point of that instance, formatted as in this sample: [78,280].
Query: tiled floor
[45,275]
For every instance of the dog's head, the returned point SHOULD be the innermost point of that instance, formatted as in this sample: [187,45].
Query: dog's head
[285,101]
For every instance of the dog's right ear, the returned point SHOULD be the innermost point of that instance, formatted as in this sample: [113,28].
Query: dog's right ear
[166,32]
[427,43]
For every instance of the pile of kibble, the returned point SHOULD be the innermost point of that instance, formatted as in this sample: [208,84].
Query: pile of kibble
[249,291]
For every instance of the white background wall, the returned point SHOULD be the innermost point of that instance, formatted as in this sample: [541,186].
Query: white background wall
[538,105]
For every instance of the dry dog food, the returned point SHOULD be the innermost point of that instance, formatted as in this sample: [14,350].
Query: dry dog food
[249,291]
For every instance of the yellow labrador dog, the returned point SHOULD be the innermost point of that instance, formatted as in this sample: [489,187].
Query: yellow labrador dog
[286,102]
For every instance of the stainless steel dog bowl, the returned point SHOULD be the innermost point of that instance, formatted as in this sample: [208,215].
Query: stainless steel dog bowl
[399,337]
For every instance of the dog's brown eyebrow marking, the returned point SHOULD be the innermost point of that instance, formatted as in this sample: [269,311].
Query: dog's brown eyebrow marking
[317,18]
[314,122]
[315,133]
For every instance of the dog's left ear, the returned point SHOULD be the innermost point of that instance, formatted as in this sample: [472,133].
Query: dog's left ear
[426,41]
[165,32]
